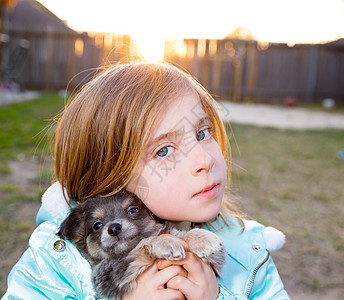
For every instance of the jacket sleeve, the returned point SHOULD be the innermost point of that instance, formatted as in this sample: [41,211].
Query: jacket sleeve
[49,272]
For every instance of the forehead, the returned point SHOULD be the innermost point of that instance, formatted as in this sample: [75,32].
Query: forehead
[181,112]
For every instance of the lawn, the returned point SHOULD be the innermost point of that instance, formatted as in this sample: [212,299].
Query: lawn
[24,125]
[288,179]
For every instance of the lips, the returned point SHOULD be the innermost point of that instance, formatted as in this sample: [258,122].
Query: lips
[208,192]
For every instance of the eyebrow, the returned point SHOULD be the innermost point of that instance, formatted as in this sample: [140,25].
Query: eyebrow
[173,135]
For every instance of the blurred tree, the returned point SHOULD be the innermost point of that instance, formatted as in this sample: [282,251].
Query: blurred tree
[240,33]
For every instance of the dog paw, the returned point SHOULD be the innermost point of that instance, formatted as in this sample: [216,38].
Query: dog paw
[203,242]
[167,248]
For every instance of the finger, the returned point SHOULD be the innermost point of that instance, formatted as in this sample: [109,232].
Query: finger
[191,263]
[189,260]
[191,290]
[184,285]
[166,274]
[171,294]
[200,282]
[164,263]
[176,270]
[185,244]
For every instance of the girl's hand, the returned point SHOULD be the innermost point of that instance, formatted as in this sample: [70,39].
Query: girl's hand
[151,284]
[200,282]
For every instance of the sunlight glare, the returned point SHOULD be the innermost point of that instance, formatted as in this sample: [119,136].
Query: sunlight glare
[150,47]
[292,21]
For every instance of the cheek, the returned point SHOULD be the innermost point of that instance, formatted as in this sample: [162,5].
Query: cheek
[139,186]
[159,198]
[223,165]
[152,181]
[150,194]
[220,160]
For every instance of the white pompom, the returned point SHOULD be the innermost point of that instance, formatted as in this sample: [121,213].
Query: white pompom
[53,200]
[274,239]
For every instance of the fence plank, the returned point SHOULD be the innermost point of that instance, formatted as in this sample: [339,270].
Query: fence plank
[231,69]
[51,61]
[246,70]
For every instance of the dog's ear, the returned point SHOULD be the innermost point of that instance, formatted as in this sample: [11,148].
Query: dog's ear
[72,228]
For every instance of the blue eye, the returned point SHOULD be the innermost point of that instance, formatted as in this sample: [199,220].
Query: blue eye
[97,226]
[165,151]
[204,134]
[132,211]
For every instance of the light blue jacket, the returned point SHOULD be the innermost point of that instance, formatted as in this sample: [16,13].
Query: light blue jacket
[54,269]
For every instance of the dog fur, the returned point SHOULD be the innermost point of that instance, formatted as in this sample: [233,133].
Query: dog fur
[120,238]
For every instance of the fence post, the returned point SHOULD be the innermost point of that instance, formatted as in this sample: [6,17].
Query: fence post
[206,65]
[192,53]
[71,57]
[312,73]
[252,66]
[238,66]
[217,66]
[47,83]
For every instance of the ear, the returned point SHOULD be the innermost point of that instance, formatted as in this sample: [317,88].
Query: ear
[72,228]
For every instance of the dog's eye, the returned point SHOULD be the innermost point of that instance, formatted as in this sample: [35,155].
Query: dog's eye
[97,226]
[132,211]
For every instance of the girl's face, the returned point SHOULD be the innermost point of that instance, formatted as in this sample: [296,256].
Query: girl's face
[182,174]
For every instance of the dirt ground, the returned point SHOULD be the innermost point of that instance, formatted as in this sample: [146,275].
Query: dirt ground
[279,117]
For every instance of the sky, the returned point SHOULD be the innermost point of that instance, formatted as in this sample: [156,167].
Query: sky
[286,21]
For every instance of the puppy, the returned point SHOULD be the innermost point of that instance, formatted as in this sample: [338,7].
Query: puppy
[120,239]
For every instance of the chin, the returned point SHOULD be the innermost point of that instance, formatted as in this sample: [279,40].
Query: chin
[207,217]
[214,214]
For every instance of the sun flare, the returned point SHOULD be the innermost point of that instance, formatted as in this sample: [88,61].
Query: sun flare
[292,21]
[150,47]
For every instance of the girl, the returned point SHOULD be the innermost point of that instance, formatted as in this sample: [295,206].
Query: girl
[153,130]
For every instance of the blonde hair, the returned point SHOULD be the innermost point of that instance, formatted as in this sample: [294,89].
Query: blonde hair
[105,128]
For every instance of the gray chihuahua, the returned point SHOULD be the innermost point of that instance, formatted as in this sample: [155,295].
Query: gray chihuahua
[120,239]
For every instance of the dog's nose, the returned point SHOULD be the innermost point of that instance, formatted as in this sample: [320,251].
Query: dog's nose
[114,229]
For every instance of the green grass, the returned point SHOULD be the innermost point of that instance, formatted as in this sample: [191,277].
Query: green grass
[288,179]
[23,125]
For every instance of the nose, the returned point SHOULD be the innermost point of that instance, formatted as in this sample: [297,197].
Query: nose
[114,229]
[201,160]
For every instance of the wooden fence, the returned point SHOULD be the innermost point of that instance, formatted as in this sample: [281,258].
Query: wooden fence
[251,71]
[54,60]
[230,69]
